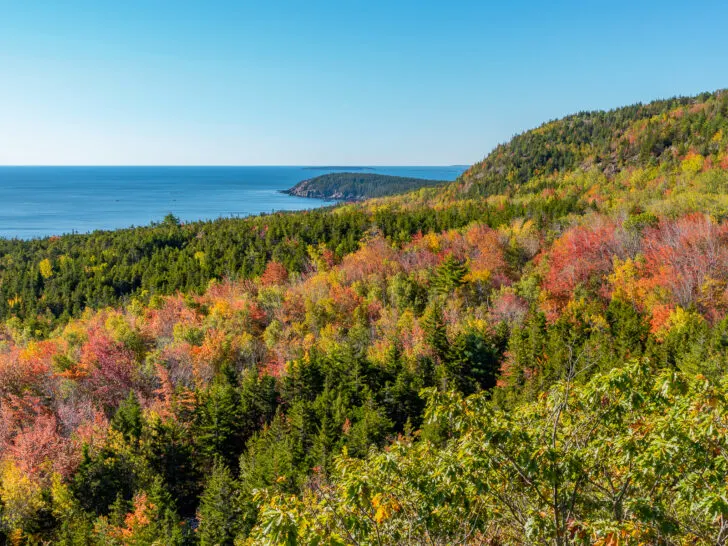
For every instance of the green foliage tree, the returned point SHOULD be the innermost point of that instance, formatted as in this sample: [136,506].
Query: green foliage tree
[170,453]
[629,328]
[220,425]
[104,477]
[218,513]
[128,419]
[433,323]
[449,275]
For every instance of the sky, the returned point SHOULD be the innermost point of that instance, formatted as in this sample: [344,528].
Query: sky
[344,82]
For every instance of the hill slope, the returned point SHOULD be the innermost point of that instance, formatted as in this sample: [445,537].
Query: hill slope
[655,134]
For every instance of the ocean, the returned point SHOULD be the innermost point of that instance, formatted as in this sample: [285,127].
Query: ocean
[43,201]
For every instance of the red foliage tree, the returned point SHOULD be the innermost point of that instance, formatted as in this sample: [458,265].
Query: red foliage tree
[39,449]
[581,255]
[376,257]
[29,369]
[681,255]
[160,322]
[110,370]
[275,274]
[508,307]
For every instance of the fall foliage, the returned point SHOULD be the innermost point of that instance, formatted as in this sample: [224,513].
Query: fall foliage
[532,354]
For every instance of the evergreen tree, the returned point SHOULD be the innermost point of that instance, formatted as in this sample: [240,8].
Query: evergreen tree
[472,363]
[219,513]
[164,523]
[433,323]
[369,429]
[449,275]
[400,393]
[527,349]
[129,419]
[221,427]
[270,460]
[170,453]
[103,478]
[629,328]
[258,401]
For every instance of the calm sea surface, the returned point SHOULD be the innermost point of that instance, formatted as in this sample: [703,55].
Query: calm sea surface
[42,201]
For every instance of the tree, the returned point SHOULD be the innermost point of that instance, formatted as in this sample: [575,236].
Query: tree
[433,323]
[149,518]
[449,275]
[171,220]
[169,451]
[219,512]
[581,256]
[109,370]
[220,424]
[101,478]
[628,326]
[20,500]
[472,363]
[275,274]
[128,419]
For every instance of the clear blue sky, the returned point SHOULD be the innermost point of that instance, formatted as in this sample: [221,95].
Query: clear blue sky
[341,82]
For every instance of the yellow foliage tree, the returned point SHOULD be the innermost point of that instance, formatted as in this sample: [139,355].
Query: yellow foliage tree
[692,164]
[46,268]
[21,498]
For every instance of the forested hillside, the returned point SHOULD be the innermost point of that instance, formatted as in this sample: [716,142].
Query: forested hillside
[44,282]
[533,354]
[357,186]
[660,133]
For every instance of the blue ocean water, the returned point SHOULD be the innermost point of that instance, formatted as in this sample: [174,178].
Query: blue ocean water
[43,201]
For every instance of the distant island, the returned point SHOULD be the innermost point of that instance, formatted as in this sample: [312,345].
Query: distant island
[338,168]
[348,186]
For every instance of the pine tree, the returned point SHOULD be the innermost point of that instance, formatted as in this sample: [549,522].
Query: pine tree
[472,362]
[455,369]
[221,427]
[103,477]
[400,393]
[433,322]
[449,275]
[629,328]
[129,419]
[269,461]
[258,401]
[170,454]
[165,525]
[527,349]
[219,508]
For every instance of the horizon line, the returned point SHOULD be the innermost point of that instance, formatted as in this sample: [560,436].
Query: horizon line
[312,166]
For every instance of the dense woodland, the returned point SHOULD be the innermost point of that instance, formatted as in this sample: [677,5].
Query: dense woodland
[347,186]
[533,354]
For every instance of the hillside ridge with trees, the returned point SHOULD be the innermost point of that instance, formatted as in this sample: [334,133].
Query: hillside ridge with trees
[357,186]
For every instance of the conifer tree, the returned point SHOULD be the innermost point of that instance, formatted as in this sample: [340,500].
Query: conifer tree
[433,322]
[129,419]
[164,521]
[449,275]
[218,513]
[220,430]
[628,326]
